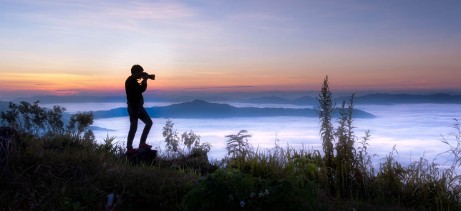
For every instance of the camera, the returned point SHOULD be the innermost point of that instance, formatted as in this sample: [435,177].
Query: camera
[147,75]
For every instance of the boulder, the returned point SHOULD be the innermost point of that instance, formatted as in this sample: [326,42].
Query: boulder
[142,156]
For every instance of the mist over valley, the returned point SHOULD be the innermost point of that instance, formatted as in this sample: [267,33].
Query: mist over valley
[413,123]
[306,98]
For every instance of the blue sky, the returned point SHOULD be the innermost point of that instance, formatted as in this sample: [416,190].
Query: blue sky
[66,46]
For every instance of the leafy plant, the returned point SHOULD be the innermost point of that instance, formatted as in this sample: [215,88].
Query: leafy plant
[189,140]
[35,120]
[79,123]
[230,189]
[345,160]
[237,145]
[326,108]
[171,137]
[32,119]
[454,147]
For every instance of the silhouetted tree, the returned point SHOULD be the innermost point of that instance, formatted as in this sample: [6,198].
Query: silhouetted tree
[345,151]
[326,129]
[30,118]
[54,119]
[78,125]
[171,137]
[326,108]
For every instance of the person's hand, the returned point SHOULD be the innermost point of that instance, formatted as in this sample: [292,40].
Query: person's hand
[144,77]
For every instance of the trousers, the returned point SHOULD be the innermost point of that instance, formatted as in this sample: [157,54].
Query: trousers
[135,113]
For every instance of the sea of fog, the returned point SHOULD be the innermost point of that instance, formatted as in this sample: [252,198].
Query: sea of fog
[414,129]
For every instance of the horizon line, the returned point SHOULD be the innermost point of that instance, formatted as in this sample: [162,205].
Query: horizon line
[251,94]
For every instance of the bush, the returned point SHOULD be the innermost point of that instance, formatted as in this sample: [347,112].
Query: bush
[186,145]
[229,189]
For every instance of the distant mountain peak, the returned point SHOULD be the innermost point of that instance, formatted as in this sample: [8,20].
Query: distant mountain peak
[203,109]
[199,101]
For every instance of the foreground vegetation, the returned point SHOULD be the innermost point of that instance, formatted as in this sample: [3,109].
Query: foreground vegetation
[49,165]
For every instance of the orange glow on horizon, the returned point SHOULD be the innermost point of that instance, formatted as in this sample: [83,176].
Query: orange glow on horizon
[71,84]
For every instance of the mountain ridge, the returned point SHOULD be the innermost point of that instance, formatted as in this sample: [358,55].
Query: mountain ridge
[204,109]
[376,99]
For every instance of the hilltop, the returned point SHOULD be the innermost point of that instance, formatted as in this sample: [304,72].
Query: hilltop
[204,109]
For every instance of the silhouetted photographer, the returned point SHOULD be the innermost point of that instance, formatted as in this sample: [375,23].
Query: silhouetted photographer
[135,85]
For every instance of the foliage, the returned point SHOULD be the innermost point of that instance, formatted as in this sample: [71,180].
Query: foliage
[192,143]
[326,107]
[31,119]
[230,189]
[55,166]
[421,185]
[81,176]
[454,149]
[79,123]
[364,163]
[65,169]
[345,159]
[237,145]
[171,137]
[189,140]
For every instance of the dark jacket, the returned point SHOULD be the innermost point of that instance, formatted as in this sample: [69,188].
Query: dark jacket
[134,92]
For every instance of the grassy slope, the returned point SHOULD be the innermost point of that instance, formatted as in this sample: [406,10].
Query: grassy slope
[70,171]
[65,174]
[61,173]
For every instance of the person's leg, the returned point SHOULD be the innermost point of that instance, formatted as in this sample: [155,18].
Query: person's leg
[133,126]
[144,116]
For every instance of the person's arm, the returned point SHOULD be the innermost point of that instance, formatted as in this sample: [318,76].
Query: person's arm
[143,85]
[133,86]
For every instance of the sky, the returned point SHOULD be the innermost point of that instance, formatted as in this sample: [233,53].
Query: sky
[88,47]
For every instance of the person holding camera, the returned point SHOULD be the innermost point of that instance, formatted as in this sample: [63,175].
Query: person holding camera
[136,110]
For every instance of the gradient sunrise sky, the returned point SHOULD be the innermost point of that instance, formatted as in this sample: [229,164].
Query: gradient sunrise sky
[74,47]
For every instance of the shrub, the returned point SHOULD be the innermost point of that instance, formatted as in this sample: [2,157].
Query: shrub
[31,119]
[229,189]
[186,145]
